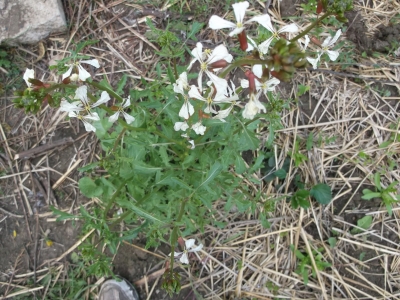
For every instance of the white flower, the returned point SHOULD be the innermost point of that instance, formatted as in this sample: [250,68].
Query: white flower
[306,42]
[85,119]
[192,143]
[328,43]
[240,10]
[219,98]
[81,94]
[29,74]
[253,107]
[189,245]
[128,118]
[82,73]
[181,84]
[224,113]
[220,52]
[265,20]
[199,128]
[181,126]
[267,86]
[187,109]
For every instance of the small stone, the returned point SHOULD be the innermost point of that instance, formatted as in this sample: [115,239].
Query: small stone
[29,21]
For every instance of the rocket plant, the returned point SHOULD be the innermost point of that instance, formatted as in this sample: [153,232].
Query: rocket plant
[170,151]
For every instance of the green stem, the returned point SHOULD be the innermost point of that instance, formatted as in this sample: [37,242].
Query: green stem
[312,25]
[241,62]
[116,193]
[104,88]
[174,234]
[118,139]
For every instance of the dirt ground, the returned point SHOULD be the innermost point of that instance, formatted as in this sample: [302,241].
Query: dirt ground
[32,241]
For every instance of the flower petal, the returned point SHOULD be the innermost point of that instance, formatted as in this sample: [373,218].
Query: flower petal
[181,126]
[176,254]
[333,55]
[240,10]
[88,126]
[29,73]
[223,113]
[194,93]
[219,23]
[220,84]
[104,97]
[257,70]
[68,73]
[93,116]
[264,46]
[306,42]
[81,94]
[198,248]
[184,259]
[127,102]
[92,62]
[114,117]
[74,106]
[186,110]
[219,52]
[264,20]
[83,74]
[128,118]
[199,129]
[314,61]
[292,28]
[192,143]
[335,38]
[244,83]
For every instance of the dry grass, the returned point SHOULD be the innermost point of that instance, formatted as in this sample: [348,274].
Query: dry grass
[244,259]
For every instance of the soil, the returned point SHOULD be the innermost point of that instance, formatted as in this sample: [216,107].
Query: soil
[381,41]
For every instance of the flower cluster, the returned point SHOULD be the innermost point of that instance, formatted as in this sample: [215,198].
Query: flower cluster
[218,96]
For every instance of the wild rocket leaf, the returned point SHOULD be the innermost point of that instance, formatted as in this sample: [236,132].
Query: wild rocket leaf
[214,171]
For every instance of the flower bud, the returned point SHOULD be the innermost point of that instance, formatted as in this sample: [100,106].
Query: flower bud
[319,7]
[222,63]
[252,81]
[243,40]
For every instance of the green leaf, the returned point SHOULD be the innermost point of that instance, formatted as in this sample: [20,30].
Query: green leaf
[385,144]
[332,242]
[141,212]
[257,163]
[302,89]
[310,141]
[248,140]
[300,198]
[181,183]
[81,45]
[240,166]
[121,84]
[214,171]
[368,194]
[89,188]
[322,193]
[281,173]
[196,27]
[62,215]
[377,181]
[364,223]
[89,167]
[142,168]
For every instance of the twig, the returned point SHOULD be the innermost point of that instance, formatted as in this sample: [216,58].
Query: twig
[42,149]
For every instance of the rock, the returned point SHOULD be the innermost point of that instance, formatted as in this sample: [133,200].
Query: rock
[29,21]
